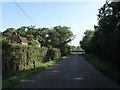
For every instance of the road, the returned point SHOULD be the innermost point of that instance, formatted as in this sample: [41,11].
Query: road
[71,72]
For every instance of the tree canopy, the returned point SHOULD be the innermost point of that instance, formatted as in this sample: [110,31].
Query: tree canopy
[60,35]
[105,41]
[86,40]
[57,36]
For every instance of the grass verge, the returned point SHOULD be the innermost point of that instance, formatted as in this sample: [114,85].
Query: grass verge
[16,78]
[107,68]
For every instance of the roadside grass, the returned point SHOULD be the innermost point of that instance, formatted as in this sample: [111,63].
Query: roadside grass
[107,68]
[19,76]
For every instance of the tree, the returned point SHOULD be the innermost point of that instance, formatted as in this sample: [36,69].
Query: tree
[8,32]
[105,42]
[22,30]
[34,42]
[85,43]
[75,48]
[41,34]
[108,30]
[59,36]
[30,31]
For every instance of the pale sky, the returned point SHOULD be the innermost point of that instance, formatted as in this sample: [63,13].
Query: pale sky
[77,15]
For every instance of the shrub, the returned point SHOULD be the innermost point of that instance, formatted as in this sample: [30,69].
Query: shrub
[65,50]
[52,53]
[17,57]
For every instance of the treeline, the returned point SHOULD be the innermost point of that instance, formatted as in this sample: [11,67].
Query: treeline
[56,37]
[75,48]
[104,41]
[17,57]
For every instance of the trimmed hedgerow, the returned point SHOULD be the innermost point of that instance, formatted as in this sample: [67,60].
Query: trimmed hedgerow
[52,53]
[16,57]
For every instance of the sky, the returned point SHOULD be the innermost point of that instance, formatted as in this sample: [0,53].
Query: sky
[79,16]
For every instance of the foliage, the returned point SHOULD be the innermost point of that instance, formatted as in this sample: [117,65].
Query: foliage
[55,37]
[59,37]
[107,68]
[8,32]
[22,30]
[86,40]
[17,77]
[65,49]
[105,42]
[52,53]
[75,48]
[16,57]
[41,34]
[34,42]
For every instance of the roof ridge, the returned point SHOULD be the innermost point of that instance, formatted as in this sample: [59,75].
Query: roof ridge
[19,37]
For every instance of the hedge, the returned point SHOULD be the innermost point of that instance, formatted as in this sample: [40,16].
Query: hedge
[17,57]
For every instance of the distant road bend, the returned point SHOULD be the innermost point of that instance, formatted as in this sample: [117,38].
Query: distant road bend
[71,72]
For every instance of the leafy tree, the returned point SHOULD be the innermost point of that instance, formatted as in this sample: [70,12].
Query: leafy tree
[79,48]
[22,30]
[30,31]
[75,48]
[85,43]
[105,42]
[34,42]
[108,31]
[8,32]
[41,34]
[59,36]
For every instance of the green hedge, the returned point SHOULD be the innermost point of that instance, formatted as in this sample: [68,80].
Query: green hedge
[16,57]
[65,50]
[52,53]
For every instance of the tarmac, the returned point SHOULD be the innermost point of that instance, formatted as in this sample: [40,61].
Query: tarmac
[70,72]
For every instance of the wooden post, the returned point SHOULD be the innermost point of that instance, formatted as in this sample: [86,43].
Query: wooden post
[34,64]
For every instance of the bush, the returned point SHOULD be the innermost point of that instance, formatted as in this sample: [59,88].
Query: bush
[65,50]
[52,53]
[17,57]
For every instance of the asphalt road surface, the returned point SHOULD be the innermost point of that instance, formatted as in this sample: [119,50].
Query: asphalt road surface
[71,72]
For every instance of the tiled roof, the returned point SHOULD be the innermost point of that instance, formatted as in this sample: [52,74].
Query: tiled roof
[23,39]
[16,37]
